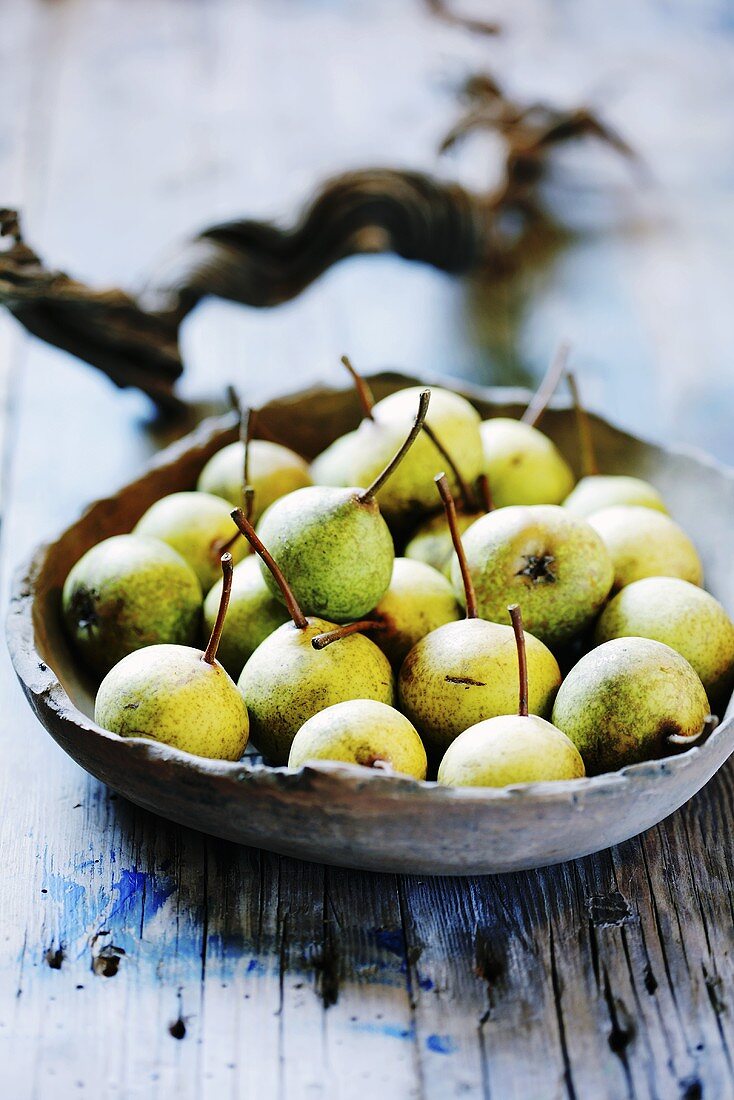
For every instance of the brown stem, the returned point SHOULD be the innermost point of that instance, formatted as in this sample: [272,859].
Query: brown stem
[547,387]
[364,392]
[466,497]
[522,660]
[249,495]
[589,464]
[485,493]
[259,547]
[398,457]
[322,640]
[450,509]
[210,652]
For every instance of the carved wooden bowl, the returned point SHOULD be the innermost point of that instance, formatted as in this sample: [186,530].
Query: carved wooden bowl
[343,814]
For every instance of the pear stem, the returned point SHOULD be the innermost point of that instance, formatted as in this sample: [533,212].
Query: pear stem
[522,660]
[322,640]
[589,464]
[246,528]
[485,493]
[369,493]
[249,498]
[364,392]
[450,509]
[210,652]
[466,497]
[548,386]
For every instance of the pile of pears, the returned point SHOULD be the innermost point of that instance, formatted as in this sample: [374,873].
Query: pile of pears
[533,628]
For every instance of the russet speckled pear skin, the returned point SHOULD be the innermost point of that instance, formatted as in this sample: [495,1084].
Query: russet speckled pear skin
[523,465]
[622,702]
[510,749]
[598,491]
[554,565]
[467,671]
[644,543]
[683,616]
[431,541]
[272,470]
[126,593]
[335,550]
[170,694]
[252,615]
[419,600]
[286,681]
[361,731]
[195,525]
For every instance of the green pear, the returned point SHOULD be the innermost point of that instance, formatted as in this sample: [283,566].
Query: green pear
[628,700]
[128,592]
[524,466]
[417,601]
[645,543]
[253,614]
[272,471]
[410,492]
[599,491]
[466,671]
[510,749]
[177,695]
[197,526]
[542,557]
[361,731]
[304,666]
[333,544]
[431,541]
[683,616]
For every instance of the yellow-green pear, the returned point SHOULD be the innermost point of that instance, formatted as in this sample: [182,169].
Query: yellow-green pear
[305,665]
[418,600]
[683,616]
[126,593]
[333,465]
[551,562]
[333,544]
[645,543]
[197,526]
[253,614]
[361,731]
[431,541]
[524,466]
[177,695]
[272,471]
[628,700]
[599,491]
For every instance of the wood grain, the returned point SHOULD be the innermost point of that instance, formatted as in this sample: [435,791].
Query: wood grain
[610,978]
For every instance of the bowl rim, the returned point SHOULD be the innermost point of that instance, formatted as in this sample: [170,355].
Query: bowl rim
[45,691]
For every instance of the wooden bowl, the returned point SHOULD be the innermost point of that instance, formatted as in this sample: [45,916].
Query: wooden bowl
[343,814]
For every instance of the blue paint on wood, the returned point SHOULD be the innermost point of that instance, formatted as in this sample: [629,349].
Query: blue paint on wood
[441,1044]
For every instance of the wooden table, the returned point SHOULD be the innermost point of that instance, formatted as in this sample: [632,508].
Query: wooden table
[139,959]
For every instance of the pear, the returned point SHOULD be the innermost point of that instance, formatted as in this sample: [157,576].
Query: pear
[599,491]
[361,731]
[304,666]
[332,466]
[177,695]
[418,600]
[253,614]
[464,672]
[683,616]
[645,543]
[596,491]
[333,544]
[431,542]
[524,466]
[553,562]
[628,700]
[272,471]
[511,748]
[128,592]
[197,526]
